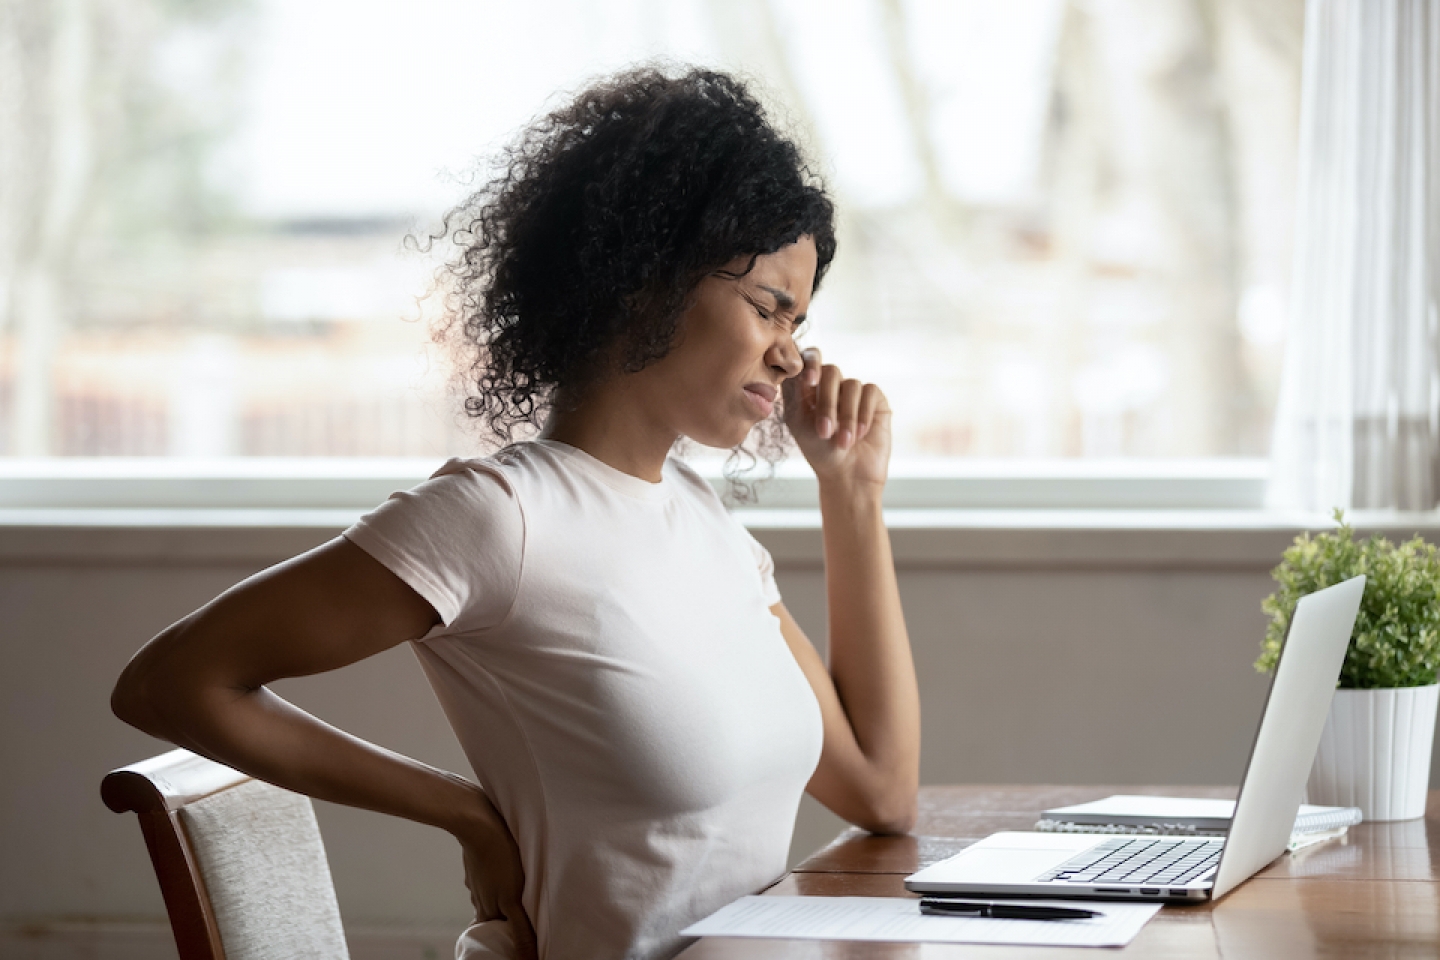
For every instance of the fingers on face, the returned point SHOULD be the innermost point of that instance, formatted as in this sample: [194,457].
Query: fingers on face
[810,374]
[872,401]
[845,409]
[847,412]
[799,390]
[842,409]
[827,401]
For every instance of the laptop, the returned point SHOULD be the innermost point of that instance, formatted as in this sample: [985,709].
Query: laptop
[1185,869]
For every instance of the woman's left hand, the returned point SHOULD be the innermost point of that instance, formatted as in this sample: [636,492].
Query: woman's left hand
[842,426]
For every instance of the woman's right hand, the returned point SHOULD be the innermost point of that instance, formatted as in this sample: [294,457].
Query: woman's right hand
[495,875]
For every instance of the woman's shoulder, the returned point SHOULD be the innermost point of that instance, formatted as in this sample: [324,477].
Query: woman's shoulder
[470,468]
[458,495]
[507,466]
[529,466]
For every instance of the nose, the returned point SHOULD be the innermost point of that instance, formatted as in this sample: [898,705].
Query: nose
[785,357]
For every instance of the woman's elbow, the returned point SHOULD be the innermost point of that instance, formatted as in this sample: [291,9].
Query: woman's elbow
[134,699]
[130,700]
[893,813]
[896,822]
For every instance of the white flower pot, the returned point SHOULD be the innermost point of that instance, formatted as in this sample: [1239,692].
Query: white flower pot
[1375,752]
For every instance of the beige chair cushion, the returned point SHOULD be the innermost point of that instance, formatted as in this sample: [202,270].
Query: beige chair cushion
[264,866]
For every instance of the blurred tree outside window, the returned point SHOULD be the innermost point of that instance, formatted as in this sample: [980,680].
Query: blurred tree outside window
[1065,224]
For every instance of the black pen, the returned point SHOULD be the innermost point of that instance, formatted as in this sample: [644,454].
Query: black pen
[938,907]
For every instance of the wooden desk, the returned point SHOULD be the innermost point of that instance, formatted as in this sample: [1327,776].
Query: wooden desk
[1374,894]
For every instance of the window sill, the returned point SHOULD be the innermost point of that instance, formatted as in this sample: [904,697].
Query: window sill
[359,484]
[1163,539]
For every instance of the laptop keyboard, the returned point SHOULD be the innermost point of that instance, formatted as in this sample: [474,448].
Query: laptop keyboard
[1154,860]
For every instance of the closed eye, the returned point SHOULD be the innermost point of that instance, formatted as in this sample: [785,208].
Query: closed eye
[762,311]
[795,325]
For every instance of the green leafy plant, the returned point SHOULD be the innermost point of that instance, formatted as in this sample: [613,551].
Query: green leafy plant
[1396,642]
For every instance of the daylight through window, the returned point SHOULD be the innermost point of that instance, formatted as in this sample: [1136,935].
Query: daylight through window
[1065,224]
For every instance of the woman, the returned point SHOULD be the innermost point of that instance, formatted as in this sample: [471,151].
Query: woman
[640,709]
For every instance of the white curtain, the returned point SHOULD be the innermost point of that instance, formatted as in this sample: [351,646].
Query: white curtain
[1358,421]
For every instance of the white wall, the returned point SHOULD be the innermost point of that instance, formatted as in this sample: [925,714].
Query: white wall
[1106,656]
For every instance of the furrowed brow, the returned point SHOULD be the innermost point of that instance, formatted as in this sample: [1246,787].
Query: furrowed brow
[785,301]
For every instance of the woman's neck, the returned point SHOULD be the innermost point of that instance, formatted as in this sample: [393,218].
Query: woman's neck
[608,426]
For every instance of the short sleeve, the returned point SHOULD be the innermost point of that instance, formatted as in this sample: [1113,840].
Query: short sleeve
[458,540]
[766,565]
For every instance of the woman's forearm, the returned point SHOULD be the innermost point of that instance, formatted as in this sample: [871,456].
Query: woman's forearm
[201,684]
[255,731]
[869,649]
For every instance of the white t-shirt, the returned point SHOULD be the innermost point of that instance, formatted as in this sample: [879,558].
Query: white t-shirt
[610,665]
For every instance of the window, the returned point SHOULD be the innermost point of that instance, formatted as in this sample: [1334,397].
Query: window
[1065,225]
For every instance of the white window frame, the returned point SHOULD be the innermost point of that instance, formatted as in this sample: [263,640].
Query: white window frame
[1111,515]
[161,484]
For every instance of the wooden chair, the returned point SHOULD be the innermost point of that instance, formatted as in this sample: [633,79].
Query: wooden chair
[240,862]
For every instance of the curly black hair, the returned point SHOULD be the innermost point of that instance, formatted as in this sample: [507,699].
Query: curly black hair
[583,253]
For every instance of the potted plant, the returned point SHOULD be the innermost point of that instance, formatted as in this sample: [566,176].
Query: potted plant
[1375,751]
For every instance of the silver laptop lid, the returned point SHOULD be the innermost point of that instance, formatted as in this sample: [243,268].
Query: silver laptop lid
[1289,732]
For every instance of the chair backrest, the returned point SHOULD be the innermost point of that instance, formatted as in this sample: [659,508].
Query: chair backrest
[240,862]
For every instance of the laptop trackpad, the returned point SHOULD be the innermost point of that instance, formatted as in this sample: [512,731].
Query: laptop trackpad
[1001,865]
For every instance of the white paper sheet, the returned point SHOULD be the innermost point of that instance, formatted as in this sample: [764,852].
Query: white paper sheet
[898,919]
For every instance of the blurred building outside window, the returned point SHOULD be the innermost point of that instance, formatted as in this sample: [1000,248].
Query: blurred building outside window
[1065,224]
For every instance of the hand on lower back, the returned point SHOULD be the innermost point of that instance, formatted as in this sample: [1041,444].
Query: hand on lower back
[496,876]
